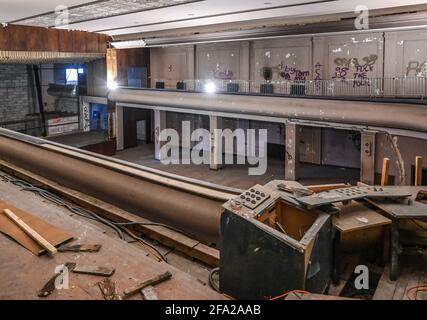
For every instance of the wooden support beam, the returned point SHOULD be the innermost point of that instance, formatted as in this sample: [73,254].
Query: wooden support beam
[418,171]
[30,231]
[385,171]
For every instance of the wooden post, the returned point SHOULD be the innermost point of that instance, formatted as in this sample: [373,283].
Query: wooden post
[418,171]
[385,171]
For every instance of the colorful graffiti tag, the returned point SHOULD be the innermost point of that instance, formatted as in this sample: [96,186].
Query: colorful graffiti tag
[361,71]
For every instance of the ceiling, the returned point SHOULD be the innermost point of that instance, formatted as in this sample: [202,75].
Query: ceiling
[121,17]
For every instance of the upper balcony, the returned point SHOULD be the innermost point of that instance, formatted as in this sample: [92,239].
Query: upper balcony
[412,88]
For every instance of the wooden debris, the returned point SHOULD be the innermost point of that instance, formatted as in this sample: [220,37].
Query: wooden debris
[80,248]
[327,187]
[108,289]
[49,287]
[151,282]
[30,231]
[95,271]
[51,233]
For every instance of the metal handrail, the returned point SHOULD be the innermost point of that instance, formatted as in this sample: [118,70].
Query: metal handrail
[399,87]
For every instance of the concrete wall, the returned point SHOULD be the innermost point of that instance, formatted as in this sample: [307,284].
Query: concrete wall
[352,56]
[172,64]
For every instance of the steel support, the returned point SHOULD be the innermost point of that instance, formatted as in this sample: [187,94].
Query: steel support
[292,139]
[215,123]
[159,125]
[367,163]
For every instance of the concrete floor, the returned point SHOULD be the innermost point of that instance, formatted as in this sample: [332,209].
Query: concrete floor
[237,175]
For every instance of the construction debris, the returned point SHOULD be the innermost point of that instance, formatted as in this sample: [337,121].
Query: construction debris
[30,231]
[49,287]
[52,234]
[351,193]
[108,289]
[95,271]
[80,248]
[151,282]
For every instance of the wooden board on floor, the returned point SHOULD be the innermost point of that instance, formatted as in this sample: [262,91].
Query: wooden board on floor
[52,234]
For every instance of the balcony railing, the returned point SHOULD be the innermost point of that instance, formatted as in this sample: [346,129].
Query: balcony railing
[405,87]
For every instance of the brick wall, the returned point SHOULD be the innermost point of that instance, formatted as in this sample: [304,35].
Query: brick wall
[70,105]
[15,94]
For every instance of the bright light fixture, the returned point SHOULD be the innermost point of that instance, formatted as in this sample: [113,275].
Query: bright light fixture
[210,87]
[129,44]
[112,85]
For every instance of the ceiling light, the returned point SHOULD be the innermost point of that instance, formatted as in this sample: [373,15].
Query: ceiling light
[129,44]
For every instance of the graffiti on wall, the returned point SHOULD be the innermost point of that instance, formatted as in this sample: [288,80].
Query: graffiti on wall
[361,70]
[354,62]
[285,72]
[223,75]
[417,68]
[318,71]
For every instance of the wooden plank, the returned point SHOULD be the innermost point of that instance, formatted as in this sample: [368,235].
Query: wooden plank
[352,217]
[65,41]
[95,270]
[418,171]
[30,231]
[52,234]
[327,187]
[385,171]
[4,38]
[167,237]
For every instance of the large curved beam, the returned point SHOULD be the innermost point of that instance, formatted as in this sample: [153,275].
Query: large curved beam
[187,205]
[404,116]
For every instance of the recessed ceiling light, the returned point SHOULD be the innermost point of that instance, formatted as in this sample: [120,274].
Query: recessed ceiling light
[268,3]
[191,14]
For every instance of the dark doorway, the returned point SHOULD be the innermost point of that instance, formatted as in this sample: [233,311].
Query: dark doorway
[134,119]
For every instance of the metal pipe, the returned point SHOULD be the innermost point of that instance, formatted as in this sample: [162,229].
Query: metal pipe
[379,114]
[193,208]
